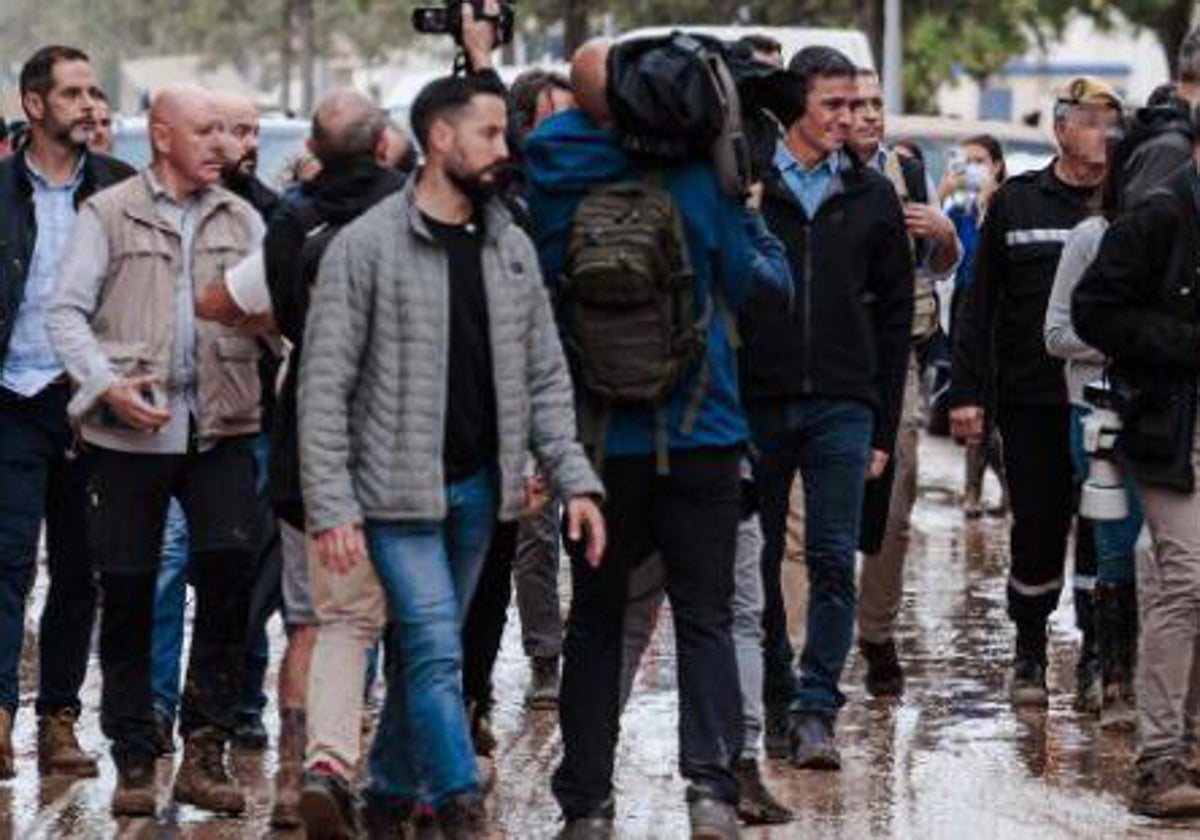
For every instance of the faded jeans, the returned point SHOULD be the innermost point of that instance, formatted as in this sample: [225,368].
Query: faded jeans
[428,570]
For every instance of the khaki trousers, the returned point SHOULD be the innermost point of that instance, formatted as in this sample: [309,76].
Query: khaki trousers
[351,613]
[881,575]
[1168,579]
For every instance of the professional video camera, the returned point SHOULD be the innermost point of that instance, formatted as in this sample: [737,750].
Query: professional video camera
[1104,496]
[447,19]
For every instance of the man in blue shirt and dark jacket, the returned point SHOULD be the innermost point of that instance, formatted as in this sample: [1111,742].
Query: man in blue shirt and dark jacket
[824,371]
[41,474]
[689,512]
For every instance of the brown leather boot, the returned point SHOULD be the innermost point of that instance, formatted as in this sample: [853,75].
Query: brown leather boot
[202,779]
[59,753]
[286,811]
[8,767]
[135,794]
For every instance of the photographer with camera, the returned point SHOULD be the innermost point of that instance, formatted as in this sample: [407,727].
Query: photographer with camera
[1112,507]
[1137,305]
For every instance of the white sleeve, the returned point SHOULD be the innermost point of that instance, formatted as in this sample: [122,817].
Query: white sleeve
[247,285]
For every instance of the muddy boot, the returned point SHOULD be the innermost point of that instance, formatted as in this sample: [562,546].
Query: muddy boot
[1089,687]
[202,779]
[462,817]
[135,794]
[164,733]
[286,811]
[885,677]
[713,819]
[777,739]
[542,694]
[387,819]
[482,735]
[1114,630]
[8,767]
[329,807]
[756,805]
[813,744]
[59,752]
[1027,679]
[1165,790]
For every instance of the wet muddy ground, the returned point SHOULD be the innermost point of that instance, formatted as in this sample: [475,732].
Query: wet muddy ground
[951,760]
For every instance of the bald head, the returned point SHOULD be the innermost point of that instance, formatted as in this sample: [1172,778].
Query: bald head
[241,118]
[180,102]
[589,79]
[187,138]
[347,126]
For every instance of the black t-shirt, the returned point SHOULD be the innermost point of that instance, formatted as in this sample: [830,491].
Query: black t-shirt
[470,431]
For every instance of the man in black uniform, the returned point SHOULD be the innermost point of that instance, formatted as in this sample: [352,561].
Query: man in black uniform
[999,350]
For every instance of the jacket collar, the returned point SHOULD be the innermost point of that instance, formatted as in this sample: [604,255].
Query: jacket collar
[495,215]
[848,180]
[208,202]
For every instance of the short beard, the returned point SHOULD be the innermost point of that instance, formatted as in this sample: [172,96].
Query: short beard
[473,186]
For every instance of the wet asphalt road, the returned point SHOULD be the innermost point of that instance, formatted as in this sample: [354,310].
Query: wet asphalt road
[951,760]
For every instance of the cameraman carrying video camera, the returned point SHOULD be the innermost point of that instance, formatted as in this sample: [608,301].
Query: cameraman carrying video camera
[1136,304]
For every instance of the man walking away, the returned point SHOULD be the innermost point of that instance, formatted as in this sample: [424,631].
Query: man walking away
[1136,304]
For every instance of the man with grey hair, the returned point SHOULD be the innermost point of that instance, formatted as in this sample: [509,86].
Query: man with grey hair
[326,614]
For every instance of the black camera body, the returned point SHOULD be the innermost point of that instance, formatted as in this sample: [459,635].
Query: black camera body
[447,19]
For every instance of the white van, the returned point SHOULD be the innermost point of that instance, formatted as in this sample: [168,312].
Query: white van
[792,38]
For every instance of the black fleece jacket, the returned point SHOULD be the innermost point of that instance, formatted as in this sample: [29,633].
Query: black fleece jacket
[842,330]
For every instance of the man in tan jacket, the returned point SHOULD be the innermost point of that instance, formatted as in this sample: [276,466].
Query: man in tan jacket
[168,406]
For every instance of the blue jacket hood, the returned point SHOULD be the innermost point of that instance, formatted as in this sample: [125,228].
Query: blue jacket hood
[568,152]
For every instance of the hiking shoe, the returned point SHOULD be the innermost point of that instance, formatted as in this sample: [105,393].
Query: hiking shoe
[203,780]
[285,812]
[1027,683]
[250,733]
[594,827]
[387,819]
[713,819]
[164,734]
[59,752]
[8,765]
[462,817]
[777,725]
[1165,790]
[328,807]
[542,694]
[135,794]
[813,744]
[482,736]
[885,677]
[756,805]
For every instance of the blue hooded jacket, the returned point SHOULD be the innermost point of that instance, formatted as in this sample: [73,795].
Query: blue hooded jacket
[566,157]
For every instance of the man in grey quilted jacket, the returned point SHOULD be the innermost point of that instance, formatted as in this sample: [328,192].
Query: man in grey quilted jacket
[431,366]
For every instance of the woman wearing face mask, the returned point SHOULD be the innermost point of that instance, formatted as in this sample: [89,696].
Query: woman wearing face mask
[977,170]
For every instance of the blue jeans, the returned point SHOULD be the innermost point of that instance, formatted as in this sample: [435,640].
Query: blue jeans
[829,442]
[428,570]
[1115,541]
[170,603]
